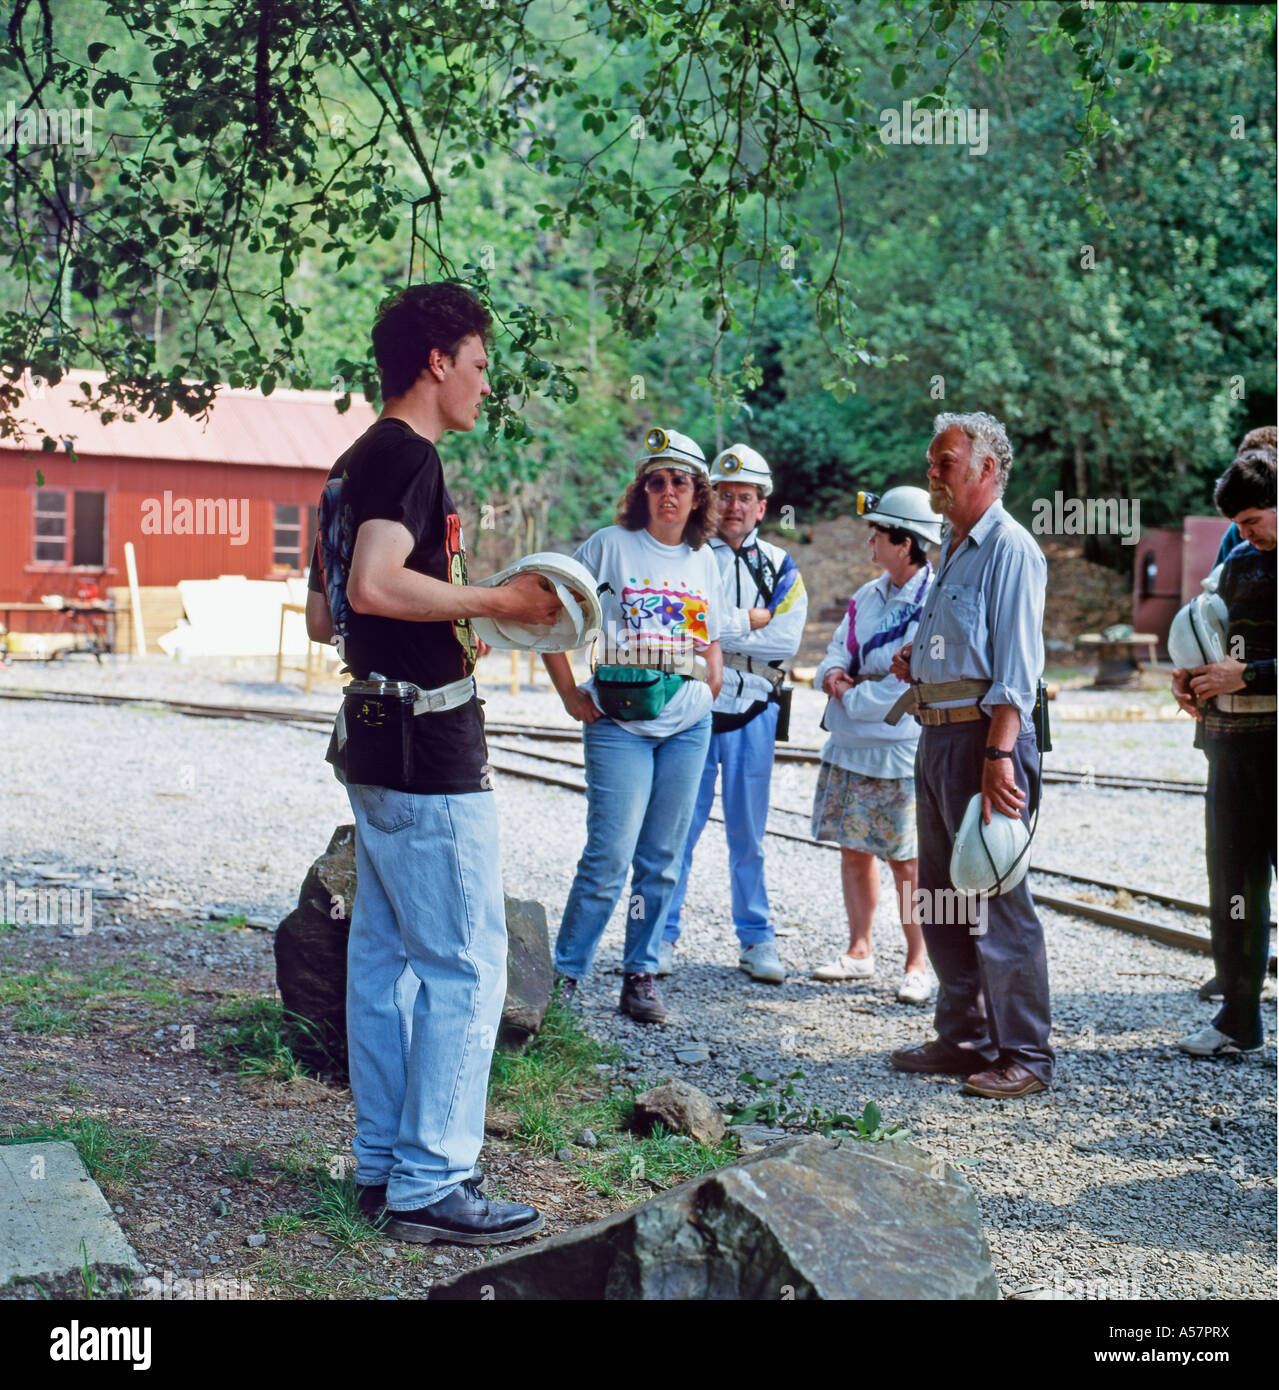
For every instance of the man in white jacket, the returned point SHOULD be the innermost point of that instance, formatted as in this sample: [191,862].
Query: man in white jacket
[765,609]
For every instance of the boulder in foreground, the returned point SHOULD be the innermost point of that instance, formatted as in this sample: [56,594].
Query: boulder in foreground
[808,1218]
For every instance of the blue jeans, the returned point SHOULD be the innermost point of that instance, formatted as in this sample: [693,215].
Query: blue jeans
[746,755]
[639,794]
[425,985]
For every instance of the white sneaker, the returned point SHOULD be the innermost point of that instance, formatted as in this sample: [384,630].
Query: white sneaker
[1208,1042]
[846,968]
[915,988]
[761,963]
[665,957]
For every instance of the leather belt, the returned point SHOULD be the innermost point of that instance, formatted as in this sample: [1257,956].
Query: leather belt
[1246,704]
[934,692]
[753,667]
[961,714]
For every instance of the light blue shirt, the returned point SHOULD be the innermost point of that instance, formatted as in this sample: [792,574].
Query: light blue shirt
[983,617]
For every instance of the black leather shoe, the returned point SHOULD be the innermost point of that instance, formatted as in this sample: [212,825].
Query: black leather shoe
[465,1218]
[372,1199]
[566,988]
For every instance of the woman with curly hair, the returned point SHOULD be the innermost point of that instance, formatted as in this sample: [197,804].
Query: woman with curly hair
[645,711]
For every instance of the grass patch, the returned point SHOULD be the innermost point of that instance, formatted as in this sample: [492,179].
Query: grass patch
[264,1039]
[544,1084]
[556,1091]
[114,1155]
[635,1167]
[35,1016]
[224,925]
[273,1272]
[257,1035]
[56,1000]
[240,1164]
[335,1210]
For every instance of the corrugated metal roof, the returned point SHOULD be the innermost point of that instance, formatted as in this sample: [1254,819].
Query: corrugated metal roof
[287,429]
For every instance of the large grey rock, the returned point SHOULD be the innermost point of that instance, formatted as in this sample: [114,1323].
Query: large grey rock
[808,1218]
[310,959]
[310,954]
[683,1109]
[530,974]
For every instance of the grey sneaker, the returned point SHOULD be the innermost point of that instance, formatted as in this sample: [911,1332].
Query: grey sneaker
[761,963]
[665,957]
[1211,1042]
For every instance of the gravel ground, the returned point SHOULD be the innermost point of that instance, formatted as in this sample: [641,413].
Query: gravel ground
[1140,1174]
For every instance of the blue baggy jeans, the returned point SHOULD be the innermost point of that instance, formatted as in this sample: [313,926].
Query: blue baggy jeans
[426,981]
[747,756]
[640,793]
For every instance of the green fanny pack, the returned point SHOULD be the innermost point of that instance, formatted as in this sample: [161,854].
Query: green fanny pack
[634,692]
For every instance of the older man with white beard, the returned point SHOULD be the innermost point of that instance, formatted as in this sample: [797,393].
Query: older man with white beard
[982,625]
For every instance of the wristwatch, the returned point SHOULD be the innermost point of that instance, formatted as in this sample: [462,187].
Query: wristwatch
[994,754]
[1249,675]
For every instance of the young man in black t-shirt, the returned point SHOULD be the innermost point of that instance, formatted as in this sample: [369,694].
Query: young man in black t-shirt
[426,963]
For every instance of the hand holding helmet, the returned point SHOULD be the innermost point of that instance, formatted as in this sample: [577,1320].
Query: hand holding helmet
[530,601]
[1218,678]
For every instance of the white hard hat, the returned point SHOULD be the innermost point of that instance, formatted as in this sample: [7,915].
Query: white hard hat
[904,509]
[739,463]
[668,449]
[992,858]
[1197,636]
[580,617]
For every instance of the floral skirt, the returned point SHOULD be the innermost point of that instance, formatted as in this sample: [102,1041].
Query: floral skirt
[873,814]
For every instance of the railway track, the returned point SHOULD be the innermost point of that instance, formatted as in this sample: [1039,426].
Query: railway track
[498,732]
[1065,776]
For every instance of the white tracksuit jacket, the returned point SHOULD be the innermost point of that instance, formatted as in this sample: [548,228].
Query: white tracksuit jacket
[781,638]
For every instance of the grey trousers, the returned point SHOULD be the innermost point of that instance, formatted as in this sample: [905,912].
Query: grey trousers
[993,998]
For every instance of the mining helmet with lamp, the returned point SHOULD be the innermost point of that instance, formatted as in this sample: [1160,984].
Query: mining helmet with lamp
[576,625]
[667,449]
[902,509]
[739,463]
[989,859]
[1197,636]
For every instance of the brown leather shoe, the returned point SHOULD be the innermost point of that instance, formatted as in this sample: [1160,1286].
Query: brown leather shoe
[641,1000]
[937,1059]
[1004,1081]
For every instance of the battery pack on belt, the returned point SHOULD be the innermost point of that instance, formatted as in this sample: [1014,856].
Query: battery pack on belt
[375,726]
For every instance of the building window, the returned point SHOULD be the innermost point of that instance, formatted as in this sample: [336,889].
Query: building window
[72,534]
[51,527]
[287,545]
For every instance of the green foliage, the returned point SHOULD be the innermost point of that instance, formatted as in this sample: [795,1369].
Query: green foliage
[56,1000]
[115,1156]
[779,1103]
[260,1035]
[682,211]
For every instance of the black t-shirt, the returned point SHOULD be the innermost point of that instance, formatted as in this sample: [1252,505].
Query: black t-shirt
[392,473]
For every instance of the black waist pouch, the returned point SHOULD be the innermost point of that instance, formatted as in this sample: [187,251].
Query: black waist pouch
[379,733]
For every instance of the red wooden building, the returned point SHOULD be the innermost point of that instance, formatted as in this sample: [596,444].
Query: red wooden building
[234,494]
